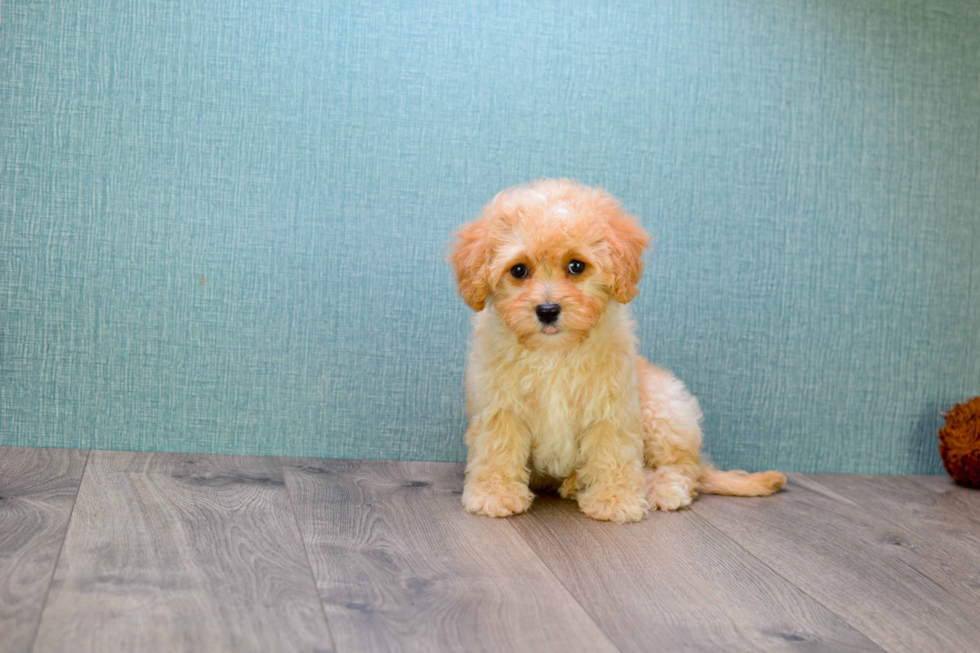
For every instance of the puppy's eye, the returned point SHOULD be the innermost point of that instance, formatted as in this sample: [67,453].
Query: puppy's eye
[576,267]
[519,271]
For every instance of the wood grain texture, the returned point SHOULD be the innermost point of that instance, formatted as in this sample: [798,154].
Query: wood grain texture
[886,580]
[962,500]
[182,553]
[926,512]
[673,582]
[401,567]
[37,491]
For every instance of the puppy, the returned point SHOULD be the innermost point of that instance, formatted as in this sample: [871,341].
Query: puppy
[556,394]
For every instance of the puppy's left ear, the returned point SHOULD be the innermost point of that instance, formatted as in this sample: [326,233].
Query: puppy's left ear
[629,241]
[470,257]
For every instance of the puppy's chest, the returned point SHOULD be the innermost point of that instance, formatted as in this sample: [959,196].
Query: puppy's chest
[556,409]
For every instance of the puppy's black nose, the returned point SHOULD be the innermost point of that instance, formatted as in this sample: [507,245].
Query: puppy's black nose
[547,313]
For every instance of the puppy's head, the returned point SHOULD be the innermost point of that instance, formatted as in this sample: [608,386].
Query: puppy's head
[550,256]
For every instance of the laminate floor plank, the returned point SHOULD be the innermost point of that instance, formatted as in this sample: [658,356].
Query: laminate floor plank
[170,552]
[924,511]
[888,581]
[37,492]
[964,501]
[673,582]
[400,566]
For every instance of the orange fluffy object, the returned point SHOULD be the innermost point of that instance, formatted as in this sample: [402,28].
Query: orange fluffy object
[959,443]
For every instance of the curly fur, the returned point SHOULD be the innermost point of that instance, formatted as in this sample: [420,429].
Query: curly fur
[571,406]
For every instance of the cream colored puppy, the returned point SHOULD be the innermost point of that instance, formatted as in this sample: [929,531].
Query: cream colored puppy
[556,393]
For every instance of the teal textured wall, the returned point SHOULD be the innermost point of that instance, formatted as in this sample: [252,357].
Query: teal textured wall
[222,224]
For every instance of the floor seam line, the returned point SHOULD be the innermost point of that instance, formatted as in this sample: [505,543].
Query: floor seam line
[791,583]
[61,547]
[891,521]
[309,563]
[565,587]
[912,477]
[965,513]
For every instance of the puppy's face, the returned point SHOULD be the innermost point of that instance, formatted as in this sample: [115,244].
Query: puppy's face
[550,257]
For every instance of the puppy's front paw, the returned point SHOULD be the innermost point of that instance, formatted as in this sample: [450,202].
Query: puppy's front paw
[497,500]
[669,490]
[613,505]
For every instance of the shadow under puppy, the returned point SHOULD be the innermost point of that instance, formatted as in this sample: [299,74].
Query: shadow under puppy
[557,396]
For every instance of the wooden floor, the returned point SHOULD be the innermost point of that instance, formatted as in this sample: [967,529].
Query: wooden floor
[113,551]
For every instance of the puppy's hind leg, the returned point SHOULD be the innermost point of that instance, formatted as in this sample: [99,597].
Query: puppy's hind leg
[672,447]
[673,484]
[671,438]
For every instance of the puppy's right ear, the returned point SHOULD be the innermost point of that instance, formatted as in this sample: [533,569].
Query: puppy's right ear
[470,257]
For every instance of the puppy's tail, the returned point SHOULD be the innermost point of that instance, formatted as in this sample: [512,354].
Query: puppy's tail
[738,483]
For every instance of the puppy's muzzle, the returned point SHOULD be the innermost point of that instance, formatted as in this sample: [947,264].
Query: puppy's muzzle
[547,313]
